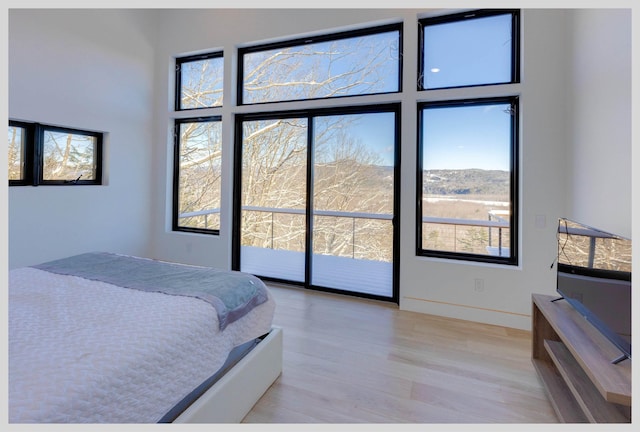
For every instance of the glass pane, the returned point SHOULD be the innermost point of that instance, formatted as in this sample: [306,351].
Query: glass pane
[353,202]
[273,221]
[68,156]
[201,83]
[470,52]
[353,66]
[466,198]
[200,173]
[16,152]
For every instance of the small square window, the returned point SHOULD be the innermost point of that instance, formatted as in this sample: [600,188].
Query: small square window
[469,49]
[199,81]
[69,156]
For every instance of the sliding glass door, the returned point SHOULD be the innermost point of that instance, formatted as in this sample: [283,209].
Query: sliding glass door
[353,190]
[273,189]
[316,199]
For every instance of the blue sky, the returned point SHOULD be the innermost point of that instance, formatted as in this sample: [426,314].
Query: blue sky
[467,137]
[476,51]
[376,131]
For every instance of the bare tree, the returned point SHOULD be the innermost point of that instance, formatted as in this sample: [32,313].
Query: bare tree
[274,165]
[67,156]
[359,65]
[200,174]
[202,83]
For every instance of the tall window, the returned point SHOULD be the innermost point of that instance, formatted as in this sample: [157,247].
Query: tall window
[50,155]
[467,178]
[197,175]
[468,149]
[198,143]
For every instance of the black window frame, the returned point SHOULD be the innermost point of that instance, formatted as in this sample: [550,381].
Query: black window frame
[178,78]
[316,39]
[513,258]
[465,16]
[176,175]
[33,153]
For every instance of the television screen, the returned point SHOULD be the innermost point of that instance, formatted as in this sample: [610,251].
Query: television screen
[594,276]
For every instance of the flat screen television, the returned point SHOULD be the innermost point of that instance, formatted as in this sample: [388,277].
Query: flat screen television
[594,276]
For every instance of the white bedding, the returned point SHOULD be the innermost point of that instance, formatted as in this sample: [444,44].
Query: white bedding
[89,352]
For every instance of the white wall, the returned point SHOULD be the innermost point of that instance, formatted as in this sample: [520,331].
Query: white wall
[88,70]
[599,144]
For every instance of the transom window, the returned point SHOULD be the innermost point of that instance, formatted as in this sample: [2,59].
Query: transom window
[344,64]
[469,49]
[199,81]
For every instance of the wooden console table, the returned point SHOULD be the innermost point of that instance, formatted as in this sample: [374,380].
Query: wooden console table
[574,361]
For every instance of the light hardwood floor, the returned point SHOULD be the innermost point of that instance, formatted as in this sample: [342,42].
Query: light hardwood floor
[350,360]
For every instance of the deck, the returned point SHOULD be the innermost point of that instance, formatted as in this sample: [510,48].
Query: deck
[357,275]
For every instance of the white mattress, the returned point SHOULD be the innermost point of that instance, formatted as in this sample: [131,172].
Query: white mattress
[89,352]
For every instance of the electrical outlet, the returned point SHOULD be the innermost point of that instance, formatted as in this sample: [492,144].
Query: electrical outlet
[478,285]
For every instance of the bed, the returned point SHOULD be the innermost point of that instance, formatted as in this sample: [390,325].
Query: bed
[109,338]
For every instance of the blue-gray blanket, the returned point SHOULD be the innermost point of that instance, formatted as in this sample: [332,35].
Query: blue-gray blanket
[233,294]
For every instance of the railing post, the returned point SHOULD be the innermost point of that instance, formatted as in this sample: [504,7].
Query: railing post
[272,213]
[491,231]
[353,239]
[592,251]
[455,238]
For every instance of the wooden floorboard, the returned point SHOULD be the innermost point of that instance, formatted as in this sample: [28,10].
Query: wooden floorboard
[349,360]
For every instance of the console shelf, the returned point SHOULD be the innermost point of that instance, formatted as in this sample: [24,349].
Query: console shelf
[574,361]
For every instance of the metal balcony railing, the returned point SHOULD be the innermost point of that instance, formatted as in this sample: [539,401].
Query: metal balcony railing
[496,221]
[354,216]
[205,213]
[608,256]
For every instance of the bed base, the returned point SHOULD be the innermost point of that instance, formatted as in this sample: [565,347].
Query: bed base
[232,397]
